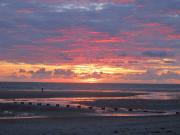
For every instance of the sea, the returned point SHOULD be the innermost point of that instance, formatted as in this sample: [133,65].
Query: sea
[87,86]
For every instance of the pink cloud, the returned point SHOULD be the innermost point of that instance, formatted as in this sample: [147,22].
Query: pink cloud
[174,37]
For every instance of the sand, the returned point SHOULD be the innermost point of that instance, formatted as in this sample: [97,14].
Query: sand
[24,119]
[165,125]
[137,104]
[69,121]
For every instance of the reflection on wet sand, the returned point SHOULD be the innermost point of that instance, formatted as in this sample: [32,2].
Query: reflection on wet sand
[92,102]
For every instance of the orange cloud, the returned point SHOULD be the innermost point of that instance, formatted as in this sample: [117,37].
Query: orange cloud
[87,72]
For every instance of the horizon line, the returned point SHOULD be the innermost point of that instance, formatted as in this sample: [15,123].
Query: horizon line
[90,83]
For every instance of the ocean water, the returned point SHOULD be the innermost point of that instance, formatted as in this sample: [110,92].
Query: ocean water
[88,86]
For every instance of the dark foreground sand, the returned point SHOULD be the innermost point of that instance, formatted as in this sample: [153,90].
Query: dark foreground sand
[164,125]
[65,121]
[68,121]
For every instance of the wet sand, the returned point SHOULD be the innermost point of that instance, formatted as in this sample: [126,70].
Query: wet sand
[165,125]
[21,119]
[173,104]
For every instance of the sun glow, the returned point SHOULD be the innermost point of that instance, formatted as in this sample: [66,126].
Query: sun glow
[94,68]
[90,73]
[91,80]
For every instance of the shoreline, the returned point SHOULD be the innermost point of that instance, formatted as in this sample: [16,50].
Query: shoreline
[53,94]
[22,110]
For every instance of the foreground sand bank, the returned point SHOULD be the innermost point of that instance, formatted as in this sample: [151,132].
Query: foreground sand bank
[78,121]
[164,125]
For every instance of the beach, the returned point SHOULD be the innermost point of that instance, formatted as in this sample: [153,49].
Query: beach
[89,112]
[165,125]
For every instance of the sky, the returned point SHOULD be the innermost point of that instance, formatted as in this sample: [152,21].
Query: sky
[91,41]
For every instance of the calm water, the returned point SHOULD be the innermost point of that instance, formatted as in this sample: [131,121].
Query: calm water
[88,86]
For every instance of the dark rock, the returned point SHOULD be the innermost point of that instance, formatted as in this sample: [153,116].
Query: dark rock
[103,108]
[130,109]
[90,107]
